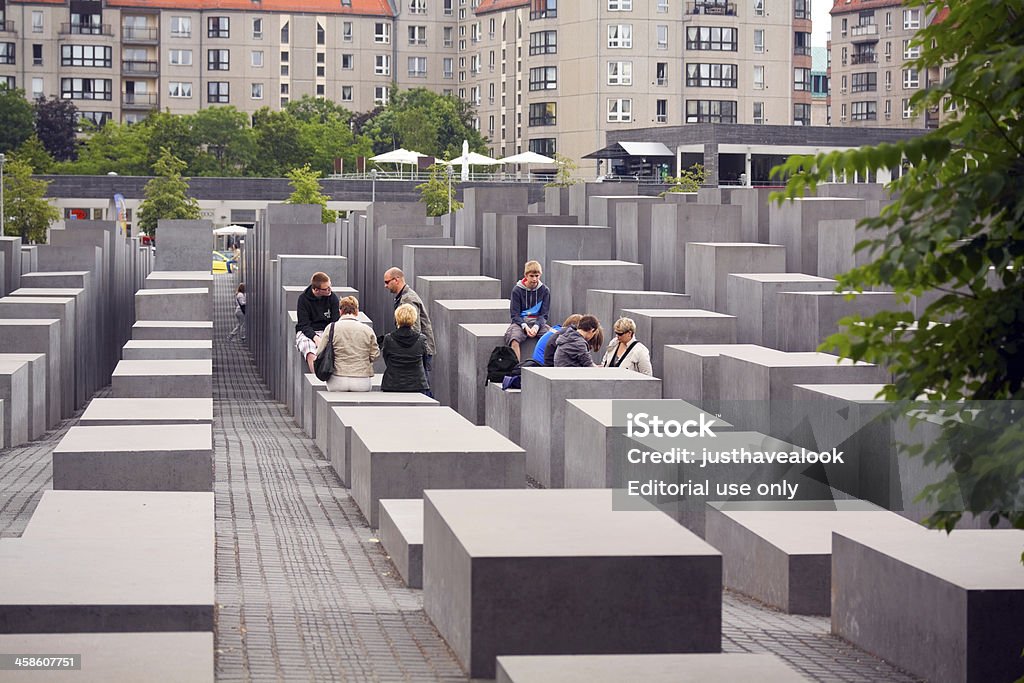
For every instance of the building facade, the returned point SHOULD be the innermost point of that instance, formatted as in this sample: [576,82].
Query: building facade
[543,75]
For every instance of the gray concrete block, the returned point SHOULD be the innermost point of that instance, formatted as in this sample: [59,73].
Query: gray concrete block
[62,309]
[168,657]
[184,244]
[697,668]
[418,261]
[135,458]
[542,423]
[794,224]
[710,264]
[943,607]
[673,225]
[172,329]
[168,349]
[502,411]
[549,243]
[752,298]
[15,377]
[807,319]
[122,515]
[34,335]
[580,194]
[450,314]
[38,383]
[570,280]
[781,553]
[403,464]
[474,344]
[401,534]
[162,379]
[174,304]
[658,327]
[480,200]
[310,387]
[505,240]
[326,401]
[180,279]
[632,226]
[691,371]
[147,411]
[480,548]
[10,254]
[608,304]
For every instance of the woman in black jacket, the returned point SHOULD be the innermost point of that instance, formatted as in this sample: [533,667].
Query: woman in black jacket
[403,351]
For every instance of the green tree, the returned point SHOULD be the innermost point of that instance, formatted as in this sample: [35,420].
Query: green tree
[565,169]
[438,193]
[424,121]
[689,180]
[28,213]
[113,147]
[166,194]
[306,185]
[227,142]
[280,142]
[56,122]
[35,155]
[955,230]
[317,110]
[15,118]
[175,132]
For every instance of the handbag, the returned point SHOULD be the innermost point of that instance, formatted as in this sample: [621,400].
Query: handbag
[323,366]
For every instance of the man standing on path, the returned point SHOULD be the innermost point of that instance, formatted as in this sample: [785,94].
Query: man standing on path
[317,308]
[394,281]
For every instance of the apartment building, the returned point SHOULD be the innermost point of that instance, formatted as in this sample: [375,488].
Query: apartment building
[871,84]
[543,75]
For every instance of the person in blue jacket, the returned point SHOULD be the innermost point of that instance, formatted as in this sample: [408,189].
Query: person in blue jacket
[528,309]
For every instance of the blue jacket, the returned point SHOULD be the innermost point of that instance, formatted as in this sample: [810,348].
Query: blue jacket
[538,351]
[530,305]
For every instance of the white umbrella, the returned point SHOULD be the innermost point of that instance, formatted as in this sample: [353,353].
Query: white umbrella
[231,230]
[471,159]
[398,156]
[527,158]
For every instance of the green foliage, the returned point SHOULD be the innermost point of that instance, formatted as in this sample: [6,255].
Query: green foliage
[689,180]
[114,147]
[426,122]
[227,143]
[27,212]
[34,154]
[16,123]
[438,193]
[56,122]
[955,230]
[565,169]
[166,195]
[306,185]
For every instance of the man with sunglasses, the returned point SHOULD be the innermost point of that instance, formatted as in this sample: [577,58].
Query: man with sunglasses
[394,282]
[317,308]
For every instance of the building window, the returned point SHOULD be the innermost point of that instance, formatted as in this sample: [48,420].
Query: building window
[218,27]
[911,50]
[620,36]
[758,41]
[97,118]
[662,7]
[908,110]
[759,113]
[888,109]
[179,89]
[87,24]
[382,65]
[801,9]
[417,35]
[284,88]
[10,81]
[801,43]
[380,95]
[715,38]
[620,73]
[544,42]
[86,89]
[864,111]
[218,60]
[758,77]
[543,9]
[864,82]
[257,29]
[801,114]
[911,78]
[217,92]
[37,54]
[661,73]
[37,21]
[911,19]
[321,35]
[180,57]
[257,58]
[448,36]
[888,21]
[448,67]
[620,5]
[7,53]
[382,33]
[37,88]
[662,32]
[802,79]
[543,114]
[346,93]
[418,6]
[95,55]
[181,27]
[348,62]
[544,78]
[710,111]
[758,8]
[711,75]
[346,31]
[661,111]
[446,7]
[417,66]
[545,146]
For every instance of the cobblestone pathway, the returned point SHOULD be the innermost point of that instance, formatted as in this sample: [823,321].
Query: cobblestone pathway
[305,592]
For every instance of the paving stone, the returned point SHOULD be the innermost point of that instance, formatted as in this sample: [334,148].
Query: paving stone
[700,668]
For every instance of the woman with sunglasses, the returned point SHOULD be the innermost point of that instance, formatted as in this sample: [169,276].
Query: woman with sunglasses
[625,351]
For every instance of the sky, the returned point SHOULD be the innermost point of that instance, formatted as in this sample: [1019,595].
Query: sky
[821,22]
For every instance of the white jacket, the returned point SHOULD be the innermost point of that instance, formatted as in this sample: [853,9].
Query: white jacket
[638,359]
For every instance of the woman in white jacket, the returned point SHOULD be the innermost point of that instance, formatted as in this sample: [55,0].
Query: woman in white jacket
[625,351]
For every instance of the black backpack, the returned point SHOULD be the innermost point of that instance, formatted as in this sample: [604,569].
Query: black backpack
[502,361]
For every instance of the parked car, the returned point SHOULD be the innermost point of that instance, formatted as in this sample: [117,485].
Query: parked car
[220,262]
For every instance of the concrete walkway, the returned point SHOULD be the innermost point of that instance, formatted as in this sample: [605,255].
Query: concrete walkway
[305,592]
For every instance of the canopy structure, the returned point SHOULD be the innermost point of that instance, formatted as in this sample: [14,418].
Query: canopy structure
[401,155]
[626,150]
[231,230]
[527,158]
[467,159]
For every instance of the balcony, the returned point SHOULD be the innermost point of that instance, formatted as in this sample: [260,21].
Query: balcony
[711,7]
[146,100]
[86,30]
[864,58]
[140,34]
[6,27]
[140,68]
[864,30]
[661,81]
